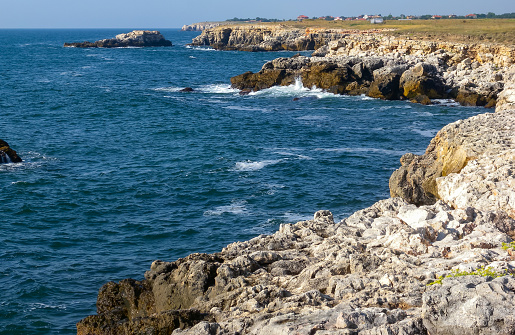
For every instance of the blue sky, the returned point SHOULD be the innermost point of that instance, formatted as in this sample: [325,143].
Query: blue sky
[175,13]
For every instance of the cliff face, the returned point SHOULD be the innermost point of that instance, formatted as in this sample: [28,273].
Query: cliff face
[268,38]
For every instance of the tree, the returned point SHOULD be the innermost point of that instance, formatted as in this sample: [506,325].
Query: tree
[490,15]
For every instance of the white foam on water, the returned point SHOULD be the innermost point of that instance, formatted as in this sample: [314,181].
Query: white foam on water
[35,306]
[193,57]
[296,90]
[236,208]
[291,154]
[254,166]
[168,89]
[200,48]
[218,89]
[250,109]
[445,102]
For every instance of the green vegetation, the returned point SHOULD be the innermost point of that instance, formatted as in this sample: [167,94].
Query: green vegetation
[482,271]
[508,246]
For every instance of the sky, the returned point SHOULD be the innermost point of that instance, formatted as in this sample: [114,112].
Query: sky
[176,13]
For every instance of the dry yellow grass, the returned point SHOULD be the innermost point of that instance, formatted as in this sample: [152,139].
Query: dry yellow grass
[500,31]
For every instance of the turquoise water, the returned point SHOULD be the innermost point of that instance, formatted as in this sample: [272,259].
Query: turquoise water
[121,168]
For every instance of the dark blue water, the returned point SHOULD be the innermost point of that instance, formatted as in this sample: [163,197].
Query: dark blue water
[120,168]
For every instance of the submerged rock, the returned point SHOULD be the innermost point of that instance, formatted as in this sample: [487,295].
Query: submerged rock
[136,38]
[8,155]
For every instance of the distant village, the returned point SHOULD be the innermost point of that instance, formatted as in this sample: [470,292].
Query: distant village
[378,18]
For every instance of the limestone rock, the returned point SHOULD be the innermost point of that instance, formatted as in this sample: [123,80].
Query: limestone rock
[470,305]
[422,79]
[136,38]
[365,274]
[487,182]
[449,152]
[8,155]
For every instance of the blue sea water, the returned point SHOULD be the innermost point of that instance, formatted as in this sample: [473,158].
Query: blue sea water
[121,168]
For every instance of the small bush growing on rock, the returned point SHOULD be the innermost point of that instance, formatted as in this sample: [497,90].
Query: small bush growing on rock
[482,271]
[508,246]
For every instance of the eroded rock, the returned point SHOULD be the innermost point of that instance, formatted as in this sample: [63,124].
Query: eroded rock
[136,38]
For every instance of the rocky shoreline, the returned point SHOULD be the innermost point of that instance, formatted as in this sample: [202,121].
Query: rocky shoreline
[435,258]
[247,37]
[136,38]
[389,68]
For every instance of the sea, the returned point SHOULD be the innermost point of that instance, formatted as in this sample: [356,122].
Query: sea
[121,168]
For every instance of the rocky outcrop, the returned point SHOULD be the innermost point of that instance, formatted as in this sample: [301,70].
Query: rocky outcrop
[201,26]
[136,38]
[246,37]
[8,155]
[388,68]
[454,147]
[365,274]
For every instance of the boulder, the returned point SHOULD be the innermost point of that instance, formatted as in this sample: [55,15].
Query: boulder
[136,38]
[386,83]
[8,155]
[453,147]
[422,79]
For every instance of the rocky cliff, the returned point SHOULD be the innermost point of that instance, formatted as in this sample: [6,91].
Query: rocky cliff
[269,38]
[389,68]
[439,261]
[136,38]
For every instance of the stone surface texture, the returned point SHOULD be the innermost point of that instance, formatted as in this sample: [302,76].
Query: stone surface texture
[136,38]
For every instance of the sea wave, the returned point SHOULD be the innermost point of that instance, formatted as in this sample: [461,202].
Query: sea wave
[255,166]
[200,48]
[236,208]
[210,89]
[296,90]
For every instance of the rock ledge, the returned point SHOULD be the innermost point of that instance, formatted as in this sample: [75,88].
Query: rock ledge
[136,38]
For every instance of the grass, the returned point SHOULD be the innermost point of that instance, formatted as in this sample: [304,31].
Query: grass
[499,31]
[482,271]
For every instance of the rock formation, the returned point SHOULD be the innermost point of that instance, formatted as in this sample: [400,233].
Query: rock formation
[8,155]
[388,68]
[367,274]
[136,38]
[436,258]
[269,38]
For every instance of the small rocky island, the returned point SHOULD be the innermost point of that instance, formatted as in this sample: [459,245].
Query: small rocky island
[136,38]
[8,155]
